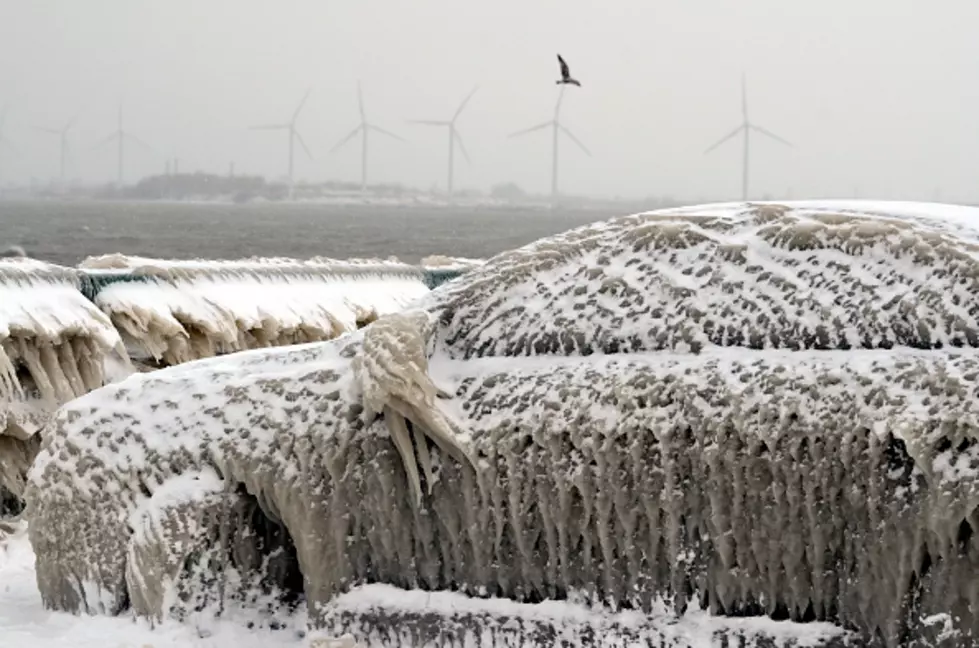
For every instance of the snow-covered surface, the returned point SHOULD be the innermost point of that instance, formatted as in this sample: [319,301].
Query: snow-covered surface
[964,219]
[54,345]
[770,276]
[41,300]
[40,303]
[24,623]
[184,310]
[661,401]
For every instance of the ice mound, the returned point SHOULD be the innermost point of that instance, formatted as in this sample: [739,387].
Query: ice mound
[54,345]
[757,276]
[176,311]
[834,479]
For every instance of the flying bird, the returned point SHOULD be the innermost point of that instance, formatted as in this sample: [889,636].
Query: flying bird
[565,73]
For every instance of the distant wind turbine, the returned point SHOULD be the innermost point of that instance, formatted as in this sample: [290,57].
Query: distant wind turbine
[363,129]
[557,128]
[747,127]
[62,134]
[294,136]
[121,135]
[454,137]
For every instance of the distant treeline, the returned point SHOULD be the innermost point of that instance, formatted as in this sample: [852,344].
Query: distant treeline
[246,188]
[239,188]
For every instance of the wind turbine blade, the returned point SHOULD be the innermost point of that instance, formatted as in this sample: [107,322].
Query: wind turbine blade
[346,139]
[269,127]
[108,138]
[532,128]
[299,138]
[744,98]
[360,103]
[575,140]
[725,138]
[139,141]
[43,129]
[429,122]
[72,122]
[462,147]
[301,104]
[768,133]
[385,132]
[463,104]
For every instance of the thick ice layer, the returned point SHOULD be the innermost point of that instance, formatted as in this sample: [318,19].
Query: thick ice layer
[423,618]
[186,310]
[53,347]
[815,480]
[838,486]
[812,276]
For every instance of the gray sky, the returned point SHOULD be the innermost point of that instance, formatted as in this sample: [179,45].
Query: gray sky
[878,95]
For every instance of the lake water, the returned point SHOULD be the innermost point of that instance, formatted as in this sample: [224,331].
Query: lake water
[67,232]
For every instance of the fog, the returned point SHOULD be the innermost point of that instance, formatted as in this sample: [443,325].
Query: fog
[878,97]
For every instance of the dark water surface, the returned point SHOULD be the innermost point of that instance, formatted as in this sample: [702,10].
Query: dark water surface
[67,232]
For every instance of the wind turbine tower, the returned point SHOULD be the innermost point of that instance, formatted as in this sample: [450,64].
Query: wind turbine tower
[121,135]
[454,137]
[746,126]
[294,137]
[363,129]
[556,129]
[62,134]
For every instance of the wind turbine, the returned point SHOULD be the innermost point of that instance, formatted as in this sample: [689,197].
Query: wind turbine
[62,134]
[364,128]
[454,137]
[747,127]
[121,135]
[294,136]
[557,128]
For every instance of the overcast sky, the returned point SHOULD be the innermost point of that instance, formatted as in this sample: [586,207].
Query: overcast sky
[877,96]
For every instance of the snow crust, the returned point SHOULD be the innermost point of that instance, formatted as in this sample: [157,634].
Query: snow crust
[754,409]
[25,622]
[54,345]
[186,310]
[755,276]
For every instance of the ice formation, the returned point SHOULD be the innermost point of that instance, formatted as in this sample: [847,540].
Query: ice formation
[760,409]
[53,347]
[442,262]
[176,311]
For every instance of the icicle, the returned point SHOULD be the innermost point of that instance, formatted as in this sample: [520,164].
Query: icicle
[56,375]
[69,364]
[31,357]
[10,386]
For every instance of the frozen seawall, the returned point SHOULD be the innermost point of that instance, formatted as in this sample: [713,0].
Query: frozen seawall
[765,410]
[54,345]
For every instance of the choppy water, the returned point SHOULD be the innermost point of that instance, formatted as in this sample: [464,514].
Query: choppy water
[67,232]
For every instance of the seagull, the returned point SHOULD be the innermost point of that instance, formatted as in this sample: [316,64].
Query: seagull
[565,73]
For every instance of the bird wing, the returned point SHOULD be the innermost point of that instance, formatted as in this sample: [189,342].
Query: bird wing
[564,67]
